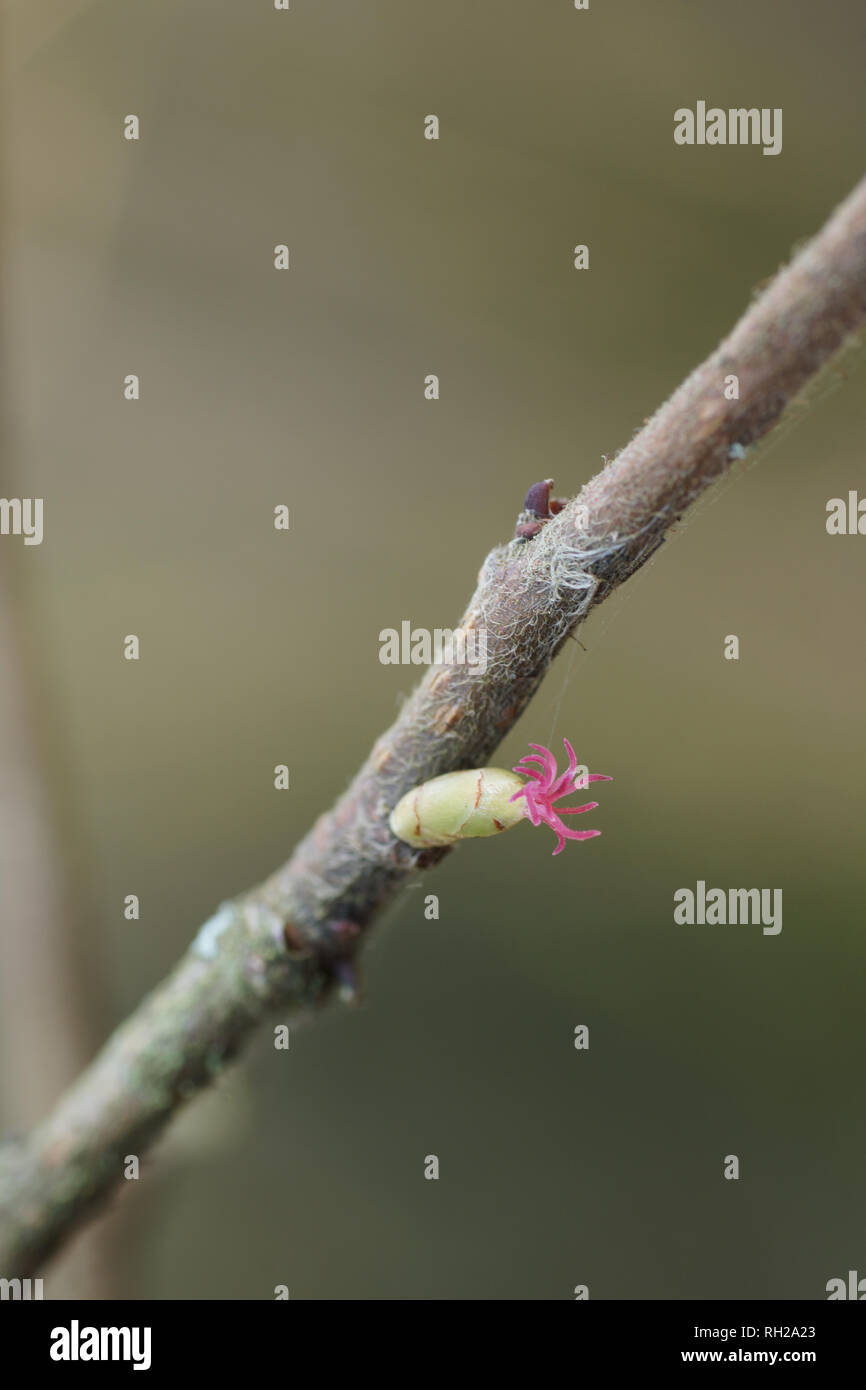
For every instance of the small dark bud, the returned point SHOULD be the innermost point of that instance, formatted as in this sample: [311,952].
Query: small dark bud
[538,508]
[538,499]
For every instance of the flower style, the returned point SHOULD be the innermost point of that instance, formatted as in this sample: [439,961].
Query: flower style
[545,786]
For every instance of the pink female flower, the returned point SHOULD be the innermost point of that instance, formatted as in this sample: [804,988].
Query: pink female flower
[546,786]
[487,800]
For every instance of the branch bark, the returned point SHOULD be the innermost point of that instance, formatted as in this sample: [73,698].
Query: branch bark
[288,941]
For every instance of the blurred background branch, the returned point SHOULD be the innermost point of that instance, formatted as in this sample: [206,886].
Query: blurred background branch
[45,999]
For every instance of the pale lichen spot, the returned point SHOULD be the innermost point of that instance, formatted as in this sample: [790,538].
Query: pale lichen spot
[440,678]
[445,719]
[381,756]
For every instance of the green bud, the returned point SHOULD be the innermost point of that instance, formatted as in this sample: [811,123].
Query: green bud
[458,806]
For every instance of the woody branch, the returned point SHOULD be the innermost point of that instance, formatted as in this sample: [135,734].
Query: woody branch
[285,943]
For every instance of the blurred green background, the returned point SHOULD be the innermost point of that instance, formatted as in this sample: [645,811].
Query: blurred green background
[410,257]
